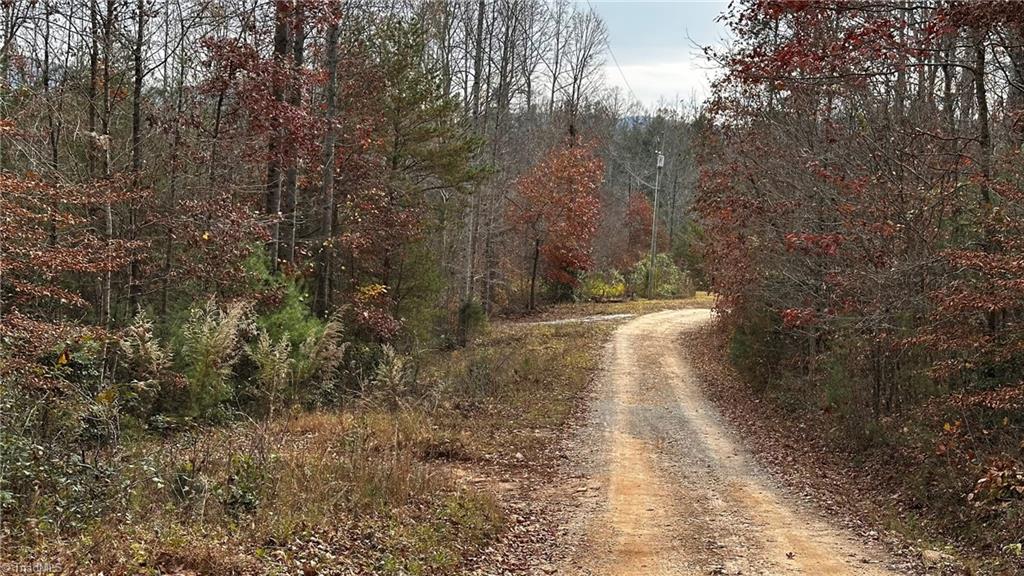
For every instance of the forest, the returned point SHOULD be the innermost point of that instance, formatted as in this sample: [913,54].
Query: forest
[217,213]
[860,195]
[298,285]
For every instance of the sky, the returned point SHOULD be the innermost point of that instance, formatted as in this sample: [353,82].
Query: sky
[656,45]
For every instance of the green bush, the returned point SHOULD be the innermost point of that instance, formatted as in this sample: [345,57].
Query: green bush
[670,281]
[688,251]
[59,460]
[472,318]
[285,311]
[756,347]
[601,285]
[240,493]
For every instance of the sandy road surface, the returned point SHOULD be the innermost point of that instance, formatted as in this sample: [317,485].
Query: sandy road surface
[671,491]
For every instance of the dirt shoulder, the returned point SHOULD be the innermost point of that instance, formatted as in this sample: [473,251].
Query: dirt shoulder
[801,452]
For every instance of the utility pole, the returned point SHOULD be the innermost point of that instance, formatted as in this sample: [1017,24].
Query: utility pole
[654,227]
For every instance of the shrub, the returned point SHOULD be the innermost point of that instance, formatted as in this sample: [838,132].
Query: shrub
[756,347]
[317,364]
[241,491]
[670,282]
[472,318]
[59,461]
[274,368]
[688,251]
[145,369]
[290,317]
[601,285]
[210,346]
[392,379]
[309,374]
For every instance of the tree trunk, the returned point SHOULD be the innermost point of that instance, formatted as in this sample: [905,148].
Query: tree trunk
[672,210]
[289,216]
[134,267]
[104,141]
[1015,99]
[322,302]
[173,198]
[472,208]
[984,133]
[533,273]
[478,51]
[53,133]
[272,204]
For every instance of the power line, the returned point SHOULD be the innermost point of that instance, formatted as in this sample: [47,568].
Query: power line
[625,165]
[616,61]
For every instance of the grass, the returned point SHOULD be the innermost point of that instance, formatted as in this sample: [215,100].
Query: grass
[637,306]
[366,488]
[297,492]
[513,388]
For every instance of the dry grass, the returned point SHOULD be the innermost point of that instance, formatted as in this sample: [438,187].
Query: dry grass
[514,388]
[638,307]
[349,490]
[364,489]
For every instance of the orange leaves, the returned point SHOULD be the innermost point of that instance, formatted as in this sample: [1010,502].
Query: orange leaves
[820,244]
[796,317]
[559,209]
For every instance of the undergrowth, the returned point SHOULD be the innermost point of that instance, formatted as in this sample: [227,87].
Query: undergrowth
[949,462]
[363,486]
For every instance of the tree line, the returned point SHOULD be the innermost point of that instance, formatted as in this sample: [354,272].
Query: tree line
[861,193]
[221,208]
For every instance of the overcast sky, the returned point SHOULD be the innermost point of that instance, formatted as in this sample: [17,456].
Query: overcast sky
[655,44]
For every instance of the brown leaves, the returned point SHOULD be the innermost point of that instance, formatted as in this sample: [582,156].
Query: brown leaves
[559,209]
[1003,481]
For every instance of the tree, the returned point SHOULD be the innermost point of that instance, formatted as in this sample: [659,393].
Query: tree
[49,248]
[557,209]
[846,202]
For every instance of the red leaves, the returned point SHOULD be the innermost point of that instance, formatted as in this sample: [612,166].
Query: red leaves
[796,317]
[639,218]
[44,234]
[822,43]
[559,209]
[47,239]
[1003,480]
[817,244]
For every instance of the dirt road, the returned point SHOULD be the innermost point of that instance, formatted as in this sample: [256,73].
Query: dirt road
[668,490]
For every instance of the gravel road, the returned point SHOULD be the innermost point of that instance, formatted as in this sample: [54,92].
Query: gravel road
[665,489]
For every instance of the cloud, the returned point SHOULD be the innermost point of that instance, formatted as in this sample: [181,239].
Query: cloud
[664,82]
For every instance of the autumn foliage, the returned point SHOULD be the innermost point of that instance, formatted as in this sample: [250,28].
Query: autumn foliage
[861,191]
[558,209]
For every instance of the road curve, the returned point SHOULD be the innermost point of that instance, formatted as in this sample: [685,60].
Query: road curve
[675,492]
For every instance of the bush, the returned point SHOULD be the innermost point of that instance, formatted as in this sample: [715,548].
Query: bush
[317,364]
[241,491]
[283,310]
[274,368]
[472,317]
[211,343]
[392,380]
[670,282]
[59,461]
[688,251]
[601,285]
[756,347]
